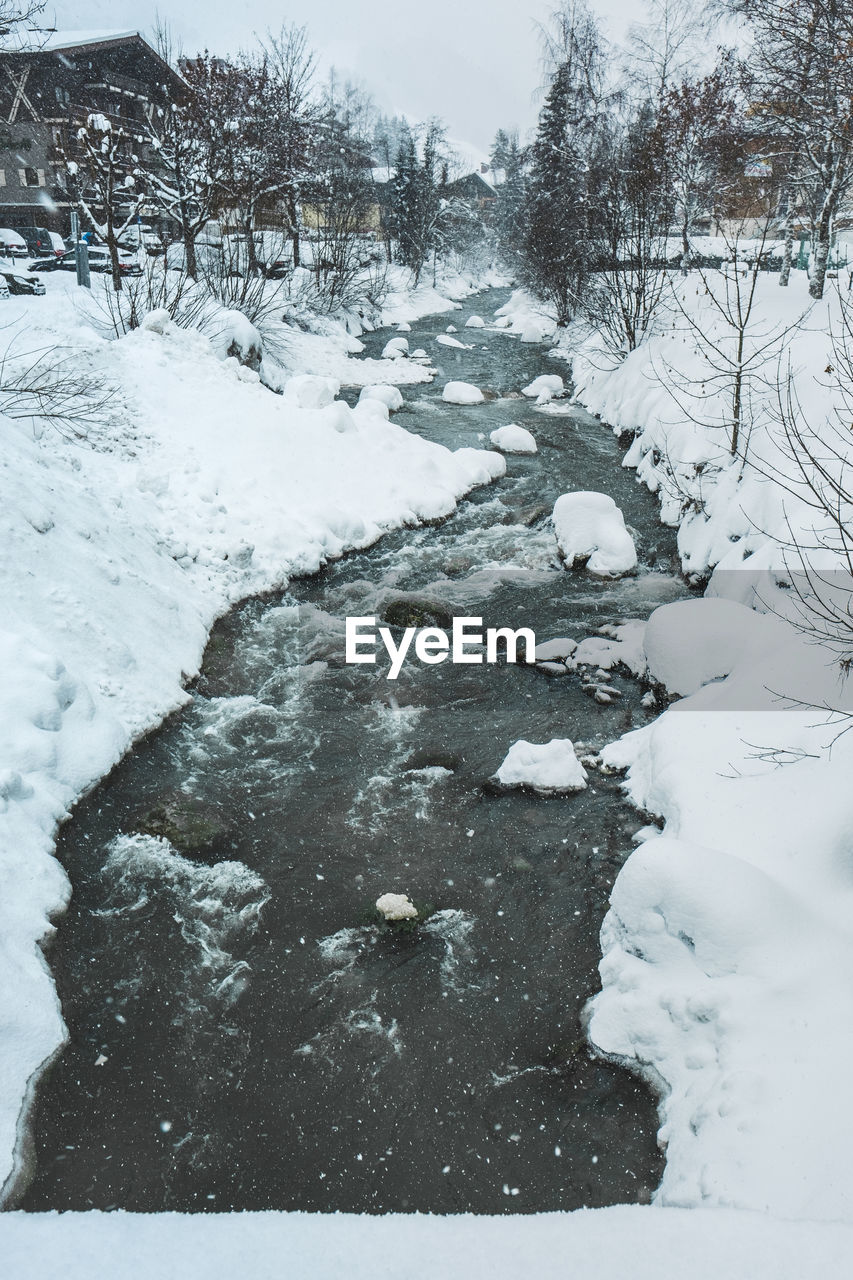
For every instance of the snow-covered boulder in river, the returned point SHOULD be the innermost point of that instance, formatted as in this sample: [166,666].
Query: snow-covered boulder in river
[513,439]
[391,397]
[546,766]
[550,383]
[444,341]
[395,349]
[475,322]
[532,332]
[590,527]
[396,906]
[462,393]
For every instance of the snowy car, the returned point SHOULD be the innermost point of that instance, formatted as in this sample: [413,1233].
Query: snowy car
[19,281]
[12,244]
[99,260]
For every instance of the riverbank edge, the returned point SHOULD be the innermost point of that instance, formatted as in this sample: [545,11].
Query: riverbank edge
[208,606]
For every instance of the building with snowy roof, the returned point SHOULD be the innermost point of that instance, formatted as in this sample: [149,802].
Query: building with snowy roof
[48,89]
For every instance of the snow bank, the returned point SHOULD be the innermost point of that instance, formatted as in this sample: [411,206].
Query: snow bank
[729,940]
[602,1244]
[547,767]
[590,526]
[462,393]
[513,439]
[117,553]
[308,391]
[692,642]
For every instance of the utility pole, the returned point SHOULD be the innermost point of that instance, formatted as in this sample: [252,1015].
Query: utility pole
[81,254]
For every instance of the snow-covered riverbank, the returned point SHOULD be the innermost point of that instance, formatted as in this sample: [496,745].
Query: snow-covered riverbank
[728,946]
[121,548]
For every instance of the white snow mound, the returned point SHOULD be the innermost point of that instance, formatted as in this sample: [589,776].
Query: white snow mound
[311,391]
[396,906]
[590,526]
[462,393]
[444,341]
[513,439]
[396,348]
[532,332]
[690,643]
[550,383]
[545,766]
[390,396]
[475,322]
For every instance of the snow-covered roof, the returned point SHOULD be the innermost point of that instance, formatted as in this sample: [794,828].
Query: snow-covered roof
[52,41]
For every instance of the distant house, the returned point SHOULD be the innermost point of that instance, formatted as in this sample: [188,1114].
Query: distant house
[478,188]
[48,90]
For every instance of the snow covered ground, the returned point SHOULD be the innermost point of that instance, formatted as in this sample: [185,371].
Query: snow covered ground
[119,548]
[728,948]
[603,1244]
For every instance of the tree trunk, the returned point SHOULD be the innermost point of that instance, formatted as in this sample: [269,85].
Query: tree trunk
[190,255]
[820,257]
[788,253]
[685,245]
[293,218]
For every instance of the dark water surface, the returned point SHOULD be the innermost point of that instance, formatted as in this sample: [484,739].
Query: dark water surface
[244,1034]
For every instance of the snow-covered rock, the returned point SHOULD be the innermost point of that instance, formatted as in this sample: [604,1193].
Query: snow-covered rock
[451,328]
[513,439]
[462,393]
[420,354]
[556,650]
[444,341]
[546,382]
[396,906]
[590,527]
[532,332]
[547,767]
[404,327]
[390,396]
[475,322]
[395,349]
[311,391]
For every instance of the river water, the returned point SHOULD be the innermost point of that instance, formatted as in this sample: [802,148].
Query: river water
[243,1032]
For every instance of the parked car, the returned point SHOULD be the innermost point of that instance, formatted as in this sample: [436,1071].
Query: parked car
[38,241]
[59,245]
[20,282]
[13,245]
[99,260]
[142,236]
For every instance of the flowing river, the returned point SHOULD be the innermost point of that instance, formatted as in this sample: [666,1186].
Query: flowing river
[243,1033]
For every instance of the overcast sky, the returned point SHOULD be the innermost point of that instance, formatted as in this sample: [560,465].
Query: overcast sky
[474,63]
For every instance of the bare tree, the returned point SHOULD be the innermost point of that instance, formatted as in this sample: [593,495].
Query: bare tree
[668,47]
[802,55]
[102,178]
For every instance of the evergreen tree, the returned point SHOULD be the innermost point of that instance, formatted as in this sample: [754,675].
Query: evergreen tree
[557,248]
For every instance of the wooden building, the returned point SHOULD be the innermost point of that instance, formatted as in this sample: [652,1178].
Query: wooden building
[48,91]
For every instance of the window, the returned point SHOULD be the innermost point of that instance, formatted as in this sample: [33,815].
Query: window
[31,177]
[2,177]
